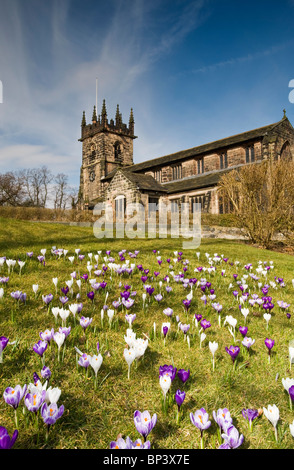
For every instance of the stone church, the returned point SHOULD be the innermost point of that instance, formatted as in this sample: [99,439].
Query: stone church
[108,172]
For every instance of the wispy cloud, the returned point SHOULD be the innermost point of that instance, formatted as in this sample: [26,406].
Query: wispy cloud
[242,59]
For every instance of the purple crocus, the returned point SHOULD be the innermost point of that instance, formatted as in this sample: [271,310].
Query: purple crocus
[129,444]
[269,344]
[47,335]
[3,343]
[46,373]
[158,297]
[168,312]
[50,414]
[223,418]
[184,375]
[84,361]
[91,295]
[6,442]
[200,419]
[47,298]
[205,324]
[144,423]
[13,396]
[233,351]
[85,322]
[187,303]
[179,398]
[250,414]
[167,370]
[243,330]
[232,438]
[40,347]
[33,401]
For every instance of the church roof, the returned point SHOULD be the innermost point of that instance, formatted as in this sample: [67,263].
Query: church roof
[201,149]
[196,182]
[143,182]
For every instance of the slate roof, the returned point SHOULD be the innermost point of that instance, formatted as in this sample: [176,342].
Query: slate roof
[197,182]
[144,182]
[201,149]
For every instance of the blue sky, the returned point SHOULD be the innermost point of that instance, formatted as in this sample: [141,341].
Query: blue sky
[193,71]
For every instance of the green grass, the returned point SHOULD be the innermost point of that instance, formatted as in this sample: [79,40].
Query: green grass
[93,418]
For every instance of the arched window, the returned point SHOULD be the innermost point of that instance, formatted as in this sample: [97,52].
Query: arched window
[120,207]
[285,153]
[117,152]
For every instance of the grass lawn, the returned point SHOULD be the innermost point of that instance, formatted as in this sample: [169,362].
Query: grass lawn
[94,417]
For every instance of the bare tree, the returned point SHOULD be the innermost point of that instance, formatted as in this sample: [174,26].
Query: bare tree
[11,189]
[60,191]
[36,182]
[262,197]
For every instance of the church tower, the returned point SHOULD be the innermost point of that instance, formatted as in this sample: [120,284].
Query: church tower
[107,145]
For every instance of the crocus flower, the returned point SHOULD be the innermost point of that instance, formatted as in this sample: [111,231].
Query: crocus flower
[167,371]
[223,418]
[200,419]
[232,437]
[85,322]
[205,324]
[144,423]
[3,343]
[273,415]
[47,335]
[50,414]
[248,342]
[96,362]
[6,442]
[165,383]
[250,415]
[179,398]
[84,361]
[243,330]
[120,443]
[184,375]
[40,347]
[13,396]
[46,373]
[130,356]
[33,401]
[47,298]
[168,312]
[233,351]
[269,344]
[213,346]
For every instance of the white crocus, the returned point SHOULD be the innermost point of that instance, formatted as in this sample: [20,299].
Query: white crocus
[110,314]
[74,309]
[55,282]
[52,395]
[267,317]
[213,346]
[59,340]
[1,292]
[287,383]
[202,338]
[64,314]
[291,355]
[130,338]
[95,363]
[272,414]
[291,427]
[130,356]
[245,312]
[55,311]
[35,288]
[165,383]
